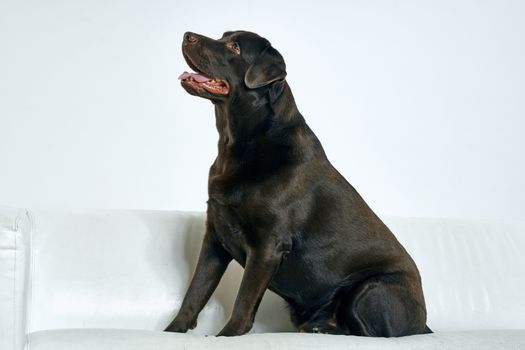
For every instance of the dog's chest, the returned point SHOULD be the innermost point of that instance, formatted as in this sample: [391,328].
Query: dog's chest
[239,209]
[230,231]
[238,217]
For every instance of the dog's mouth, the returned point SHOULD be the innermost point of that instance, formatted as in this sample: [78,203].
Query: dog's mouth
[202,81]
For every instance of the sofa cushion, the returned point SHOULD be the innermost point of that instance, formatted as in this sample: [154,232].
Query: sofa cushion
[104,339]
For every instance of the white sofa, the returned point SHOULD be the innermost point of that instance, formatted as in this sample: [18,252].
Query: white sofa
[89,280]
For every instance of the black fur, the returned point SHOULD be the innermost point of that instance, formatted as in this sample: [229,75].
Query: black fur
[278,207]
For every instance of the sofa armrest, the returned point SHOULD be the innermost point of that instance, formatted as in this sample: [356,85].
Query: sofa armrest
[15,244]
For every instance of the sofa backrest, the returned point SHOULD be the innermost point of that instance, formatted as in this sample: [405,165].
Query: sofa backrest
[126,269]
[471,270]
[130,269]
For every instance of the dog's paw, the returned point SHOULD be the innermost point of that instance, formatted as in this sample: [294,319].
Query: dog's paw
[231,330]
[329,327]
[180,326]
[176,328]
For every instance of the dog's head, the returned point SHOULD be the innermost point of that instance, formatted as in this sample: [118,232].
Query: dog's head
[238,62]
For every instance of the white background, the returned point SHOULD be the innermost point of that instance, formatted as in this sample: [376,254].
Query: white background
[420,104]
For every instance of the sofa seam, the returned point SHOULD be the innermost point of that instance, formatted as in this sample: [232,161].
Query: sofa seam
[29,306]
[26,299]
[15,318]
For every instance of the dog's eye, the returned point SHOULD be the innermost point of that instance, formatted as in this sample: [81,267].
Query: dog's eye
[235,47]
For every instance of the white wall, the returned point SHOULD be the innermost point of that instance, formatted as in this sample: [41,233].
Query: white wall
[420,104]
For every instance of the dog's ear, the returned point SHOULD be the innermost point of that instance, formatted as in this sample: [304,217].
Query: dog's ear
[268,67]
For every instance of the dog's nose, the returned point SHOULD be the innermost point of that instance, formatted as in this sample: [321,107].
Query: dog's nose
[190,38]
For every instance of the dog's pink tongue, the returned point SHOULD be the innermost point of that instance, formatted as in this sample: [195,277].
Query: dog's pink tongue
[198,77]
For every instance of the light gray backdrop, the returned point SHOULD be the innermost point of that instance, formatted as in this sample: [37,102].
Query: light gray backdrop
[420,104]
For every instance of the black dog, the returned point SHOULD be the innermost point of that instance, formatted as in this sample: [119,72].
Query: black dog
[278,207]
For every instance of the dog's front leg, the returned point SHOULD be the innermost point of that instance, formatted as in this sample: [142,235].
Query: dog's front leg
[259,269]
[213,260]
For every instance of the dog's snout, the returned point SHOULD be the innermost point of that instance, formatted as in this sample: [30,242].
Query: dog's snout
[190,38]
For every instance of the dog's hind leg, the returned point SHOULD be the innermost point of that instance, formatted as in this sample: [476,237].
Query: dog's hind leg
[383,306]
